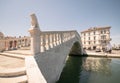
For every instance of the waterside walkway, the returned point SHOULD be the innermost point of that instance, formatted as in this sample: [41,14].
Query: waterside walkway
[114,54]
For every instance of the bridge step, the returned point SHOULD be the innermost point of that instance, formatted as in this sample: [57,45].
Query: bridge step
[25,48]
[19,79]
[19,52]
[12,72]
[13,55]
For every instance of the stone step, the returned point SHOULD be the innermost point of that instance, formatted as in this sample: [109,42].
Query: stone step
[18,79]
[19,52]
[12,72]
[13,55]
[25,48]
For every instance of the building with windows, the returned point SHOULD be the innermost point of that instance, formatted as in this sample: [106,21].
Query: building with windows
[9,43]
[96,37]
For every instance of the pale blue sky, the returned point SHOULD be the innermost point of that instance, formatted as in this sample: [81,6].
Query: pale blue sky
[60,15]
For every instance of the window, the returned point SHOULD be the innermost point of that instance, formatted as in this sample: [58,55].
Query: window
[101,32]
[94,32]
[94,42]
[103,37]
[84,34]
[94,38]
[84,38]
[105,42]
[104,31]
[84,42]
[89,42]
[89,33]
[89,38]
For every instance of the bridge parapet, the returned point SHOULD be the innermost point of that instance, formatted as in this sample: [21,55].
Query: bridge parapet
[50,39]
[44,40]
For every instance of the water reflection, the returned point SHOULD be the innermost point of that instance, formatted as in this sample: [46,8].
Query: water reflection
[97,65]
[91,70]
[71,71]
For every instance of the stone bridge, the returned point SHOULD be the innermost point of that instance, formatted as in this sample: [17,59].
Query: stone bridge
[49,51]
[51,48]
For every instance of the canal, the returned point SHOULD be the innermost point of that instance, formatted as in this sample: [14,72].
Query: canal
[91,70]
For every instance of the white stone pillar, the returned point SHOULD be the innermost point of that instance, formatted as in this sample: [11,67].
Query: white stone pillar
[61,40]
[55,39]
[44,42]
[49,41]
[58,39]
[35,40]
[51,46]
[64,37]
[35,35]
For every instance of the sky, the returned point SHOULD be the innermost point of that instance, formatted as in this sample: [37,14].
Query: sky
[57,15]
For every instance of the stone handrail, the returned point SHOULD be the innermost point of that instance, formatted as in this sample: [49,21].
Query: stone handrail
[45,40]
[50,39]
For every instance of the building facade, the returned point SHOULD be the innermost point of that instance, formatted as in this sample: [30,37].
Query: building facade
[9,43]
[96,37]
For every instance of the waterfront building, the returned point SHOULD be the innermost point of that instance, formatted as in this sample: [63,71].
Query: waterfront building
[8,42]
[96,37]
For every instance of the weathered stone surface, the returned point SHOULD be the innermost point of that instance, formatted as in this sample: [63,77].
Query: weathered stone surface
[55,46]
[33,72]
[52,61]
[35,35]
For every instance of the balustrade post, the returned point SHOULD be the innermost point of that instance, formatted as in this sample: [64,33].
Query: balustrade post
[51,45]
[62,37]
[49,41]
[67,36]
[44,42]
[35,35]
[47,46]
[70,35]
[54,39]
[57,39]
[40,42]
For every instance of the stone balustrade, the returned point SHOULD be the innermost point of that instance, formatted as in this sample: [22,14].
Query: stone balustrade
[50,39]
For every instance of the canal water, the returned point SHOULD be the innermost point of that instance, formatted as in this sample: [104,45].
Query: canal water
[91,70]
